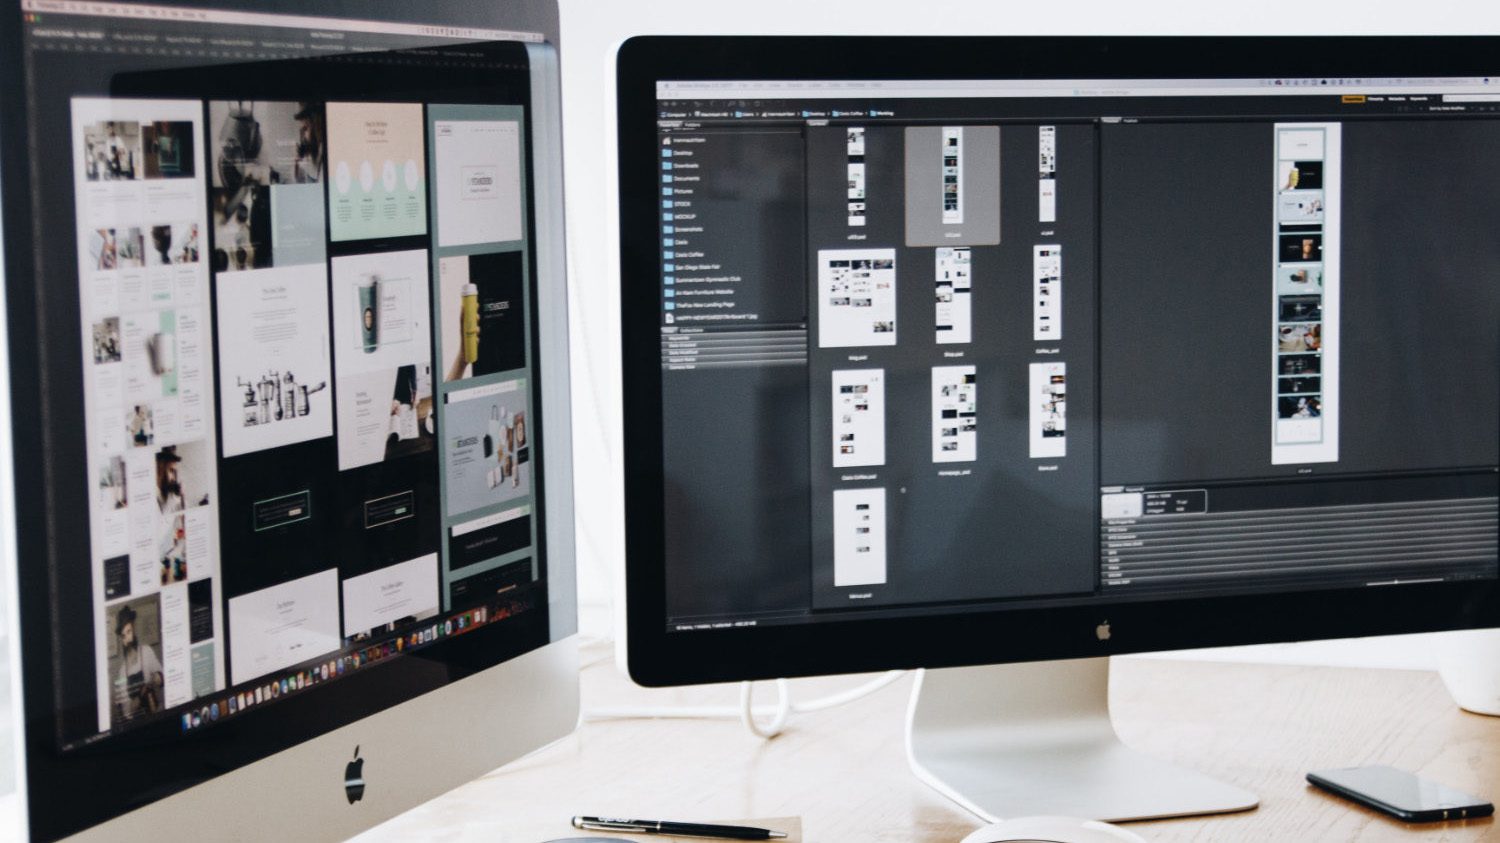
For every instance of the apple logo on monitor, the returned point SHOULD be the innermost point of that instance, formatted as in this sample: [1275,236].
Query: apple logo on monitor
[1102,631]
[354,778]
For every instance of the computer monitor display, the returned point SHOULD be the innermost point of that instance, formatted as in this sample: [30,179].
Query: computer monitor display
[281,348]
[955,351]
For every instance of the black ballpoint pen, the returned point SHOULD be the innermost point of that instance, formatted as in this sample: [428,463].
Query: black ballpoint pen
[726,832]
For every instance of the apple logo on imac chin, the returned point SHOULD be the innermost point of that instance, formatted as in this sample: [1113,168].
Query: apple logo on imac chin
[354,778]
[1102,631]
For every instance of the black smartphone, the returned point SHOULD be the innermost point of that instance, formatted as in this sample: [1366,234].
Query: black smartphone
[1401,794]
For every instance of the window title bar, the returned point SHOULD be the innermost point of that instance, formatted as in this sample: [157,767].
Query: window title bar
[958,88]
[175,14]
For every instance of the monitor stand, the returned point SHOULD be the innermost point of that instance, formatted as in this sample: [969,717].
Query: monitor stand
[1026,739]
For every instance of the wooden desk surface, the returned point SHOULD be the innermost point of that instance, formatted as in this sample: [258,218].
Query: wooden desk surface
[844,771]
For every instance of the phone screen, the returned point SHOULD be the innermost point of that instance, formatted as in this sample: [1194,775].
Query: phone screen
[1400,790]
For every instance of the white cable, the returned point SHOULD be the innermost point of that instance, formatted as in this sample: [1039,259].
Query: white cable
[785,707]
[783,710]
[849,696]
[684,712]
[746,712]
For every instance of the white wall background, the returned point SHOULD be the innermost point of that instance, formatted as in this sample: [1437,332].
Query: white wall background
[592,29]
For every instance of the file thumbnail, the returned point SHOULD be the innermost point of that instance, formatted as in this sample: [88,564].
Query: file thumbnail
[858,417]
[858,537]
[275,375]
[955,416]
[487,446]
[856,297]
[267,187]
[476,163]
[952,179]
[953,316]
[382,357]
[1049,409]
[378,173]
[482,303]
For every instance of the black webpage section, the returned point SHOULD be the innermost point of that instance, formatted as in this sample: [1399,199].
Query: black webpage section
[298,546]
[736,462]
[925,484]
[402,532]
[256,557]
[479,589]
[476,546]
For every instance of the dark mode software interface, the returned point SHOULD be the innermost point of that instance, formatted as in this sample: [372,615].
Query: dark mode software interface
[303,326]
[928,346]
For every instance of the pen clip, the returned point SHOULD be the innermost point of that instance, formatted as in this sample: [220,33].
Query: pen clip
[590,825]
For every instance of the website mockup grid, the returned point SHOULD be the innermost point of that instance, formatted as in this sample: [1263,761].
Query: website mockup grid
[308,386]
[1169,477]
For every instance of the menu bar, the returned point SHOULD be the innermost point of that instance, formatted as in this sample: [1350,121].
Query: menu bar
[950,88]
[135,11]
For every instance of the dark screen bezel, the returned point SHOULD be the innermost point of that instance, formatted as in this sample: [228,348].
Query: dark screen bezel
[69,791]
[658,657]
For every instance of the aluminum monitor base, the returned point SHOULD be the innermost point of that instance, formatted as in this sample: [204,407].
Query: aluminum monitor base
[1025,739]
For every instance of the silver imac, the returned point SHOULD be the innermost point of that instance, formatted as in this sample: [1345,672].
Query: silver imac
[288,528]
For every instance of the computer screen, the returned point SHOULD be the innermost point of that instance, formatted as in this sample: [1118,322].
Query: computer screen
[949,345]
[284,271]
